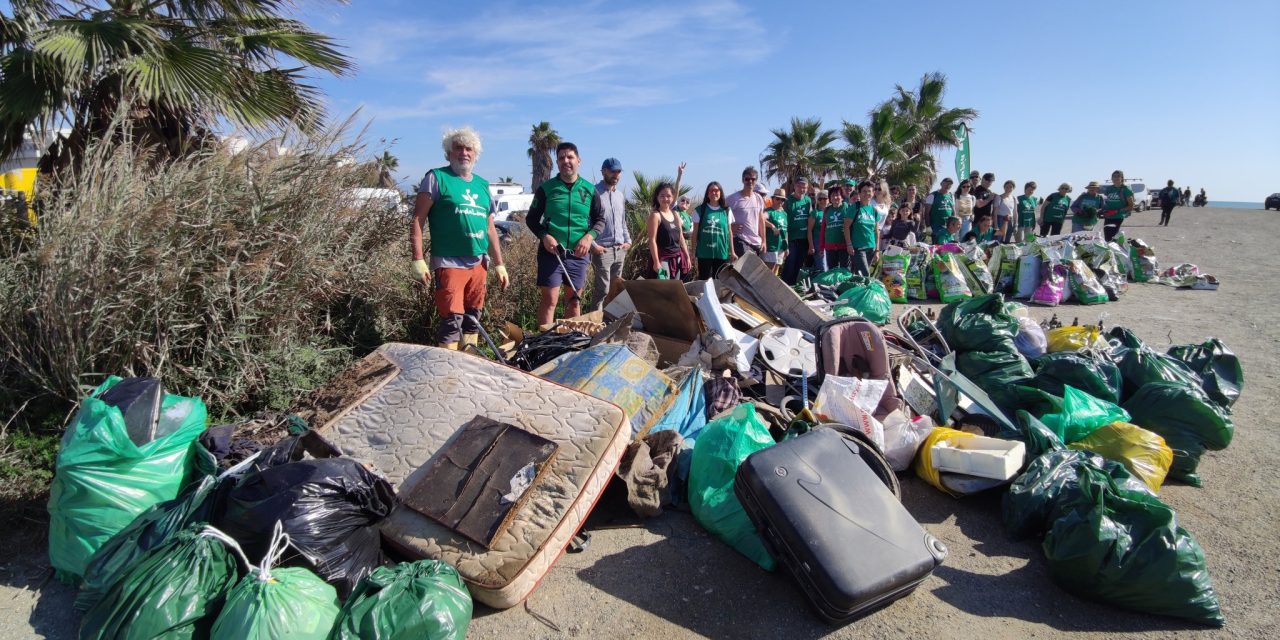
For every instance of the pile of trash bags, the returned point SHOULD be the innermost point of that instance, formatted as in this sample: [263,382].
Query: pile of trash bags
[161,541]
[1081,425]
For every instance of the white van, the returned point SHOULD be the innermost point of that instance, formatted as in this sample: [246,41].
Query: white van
[513,203]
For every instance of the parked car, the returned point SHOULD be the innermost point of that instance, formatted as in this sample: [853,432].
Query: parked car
[1273,200]
[1141,196]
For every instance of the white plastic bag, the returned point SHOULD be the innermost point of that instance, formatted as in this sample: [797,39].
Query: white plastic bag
[902,438]
[1030,341]
[851,401]
[1028,276]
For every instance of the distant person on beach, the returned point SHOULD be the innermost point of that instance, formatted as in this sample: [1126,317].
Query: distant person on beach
[1202,200]
[668,253]
[1084,211]
[1026,221]
[565,217]
[798,207]
[713,232]
[941,206]
[1056,206]
[609,249]
[1186,196]
[1168,200]
[454,205]
[1117,205]
[747,207]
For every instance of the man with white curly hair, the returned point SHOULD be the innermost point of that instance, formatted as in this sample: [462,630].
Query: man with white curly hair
[454,204]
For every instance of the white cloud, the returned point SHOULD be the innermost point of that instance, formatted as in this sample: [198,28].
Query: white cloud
[591,59]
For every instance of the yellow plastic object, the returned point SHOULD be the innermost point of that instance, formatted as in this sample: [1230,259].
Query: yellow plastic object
[924,460]
[23,180]
[1142,452]
[1075,339]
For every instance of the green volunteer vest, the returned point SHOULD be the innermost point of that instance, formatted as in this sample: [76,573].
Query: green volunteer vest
[713,233]
[833,223]
[459,219]
[1057,207]
[863,232]
[1027,210]
[1114,200]
[567,215]
[1087,200]
[777,240]
[798,211]
[985,236]
[944,238]
[943,207]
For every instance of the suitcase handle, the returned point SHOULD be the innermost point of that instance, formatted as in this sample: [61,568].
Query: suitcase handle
[870,454]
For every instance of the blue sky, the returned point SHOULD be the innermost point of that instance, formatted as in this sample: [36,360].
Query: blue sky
[1066,91]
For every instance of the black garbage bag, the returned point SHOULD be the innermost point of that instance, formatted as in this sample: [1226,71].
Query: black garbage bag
[1096,376]
[1188,421]
[993,370]
[174,591]
[535,351]
[978,324]
[1107,538]
[329,509]
[1219,369]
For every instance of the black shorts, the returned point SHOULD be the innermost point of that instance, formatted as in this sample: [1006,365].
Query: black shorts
[550,274]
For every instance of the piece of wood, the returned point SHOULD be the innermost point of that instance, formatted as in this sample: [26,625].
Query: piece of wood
[464,485]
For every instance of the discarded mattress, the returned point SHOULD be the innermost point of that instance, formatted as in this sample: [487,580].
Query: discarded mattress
[401,426]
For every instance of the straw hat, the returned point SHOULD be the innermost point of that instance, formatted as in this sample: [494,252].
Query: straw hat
[1093,184]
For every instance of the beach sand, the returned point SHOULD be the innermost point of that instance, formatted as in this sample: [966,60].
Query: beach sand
[672,579]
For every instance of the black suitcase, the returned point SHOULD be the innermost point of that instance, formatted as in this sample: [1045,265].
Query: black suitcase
[830,518]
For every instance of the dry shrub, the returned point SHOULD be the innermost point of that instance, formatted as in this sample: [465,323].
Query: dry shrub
[240,279]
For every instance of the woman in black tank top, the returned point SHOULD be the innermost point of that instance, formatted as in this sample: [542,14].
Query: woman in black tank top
[666,241]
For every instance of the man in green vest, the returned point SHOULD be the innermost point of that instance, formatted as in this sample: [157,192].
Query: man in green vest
[799,207]
[566,216]
[941,205]
[457,210]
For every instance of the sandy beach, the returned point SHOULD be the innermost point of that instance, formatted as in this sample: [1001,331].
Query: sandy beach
[669,578]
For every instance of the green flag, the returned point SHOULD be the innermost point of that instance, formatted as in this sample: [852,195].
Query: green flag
[962,153]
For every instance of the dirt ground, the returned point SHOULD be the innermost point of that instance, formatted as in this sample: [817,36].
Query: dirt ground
[671,579]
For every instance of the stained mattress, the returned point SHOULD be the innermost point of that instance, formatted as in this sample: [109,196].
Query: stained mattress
[402,424]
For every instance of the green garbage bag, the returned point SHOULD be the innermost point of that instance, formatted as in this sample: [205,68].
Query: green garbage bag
[1081,414]
[993,370]
[1139,366]
[1107,538]
[1028,430]
[869,298]
[285,602]
[723,445]
[1095,376]
[1020,397]
[152,528]
[978,324]
[408,601]
[1219,369]
[833,277]
[103,480]
[1186,418]
[175,591]
[1123,546]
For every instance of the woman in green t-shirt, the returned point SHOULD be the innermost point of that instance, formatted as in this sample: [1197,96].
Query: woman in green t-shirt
[1055,210]
[775,244]
[712,233]
[1116,206]
[1027,205]
[862,231]
[833,229]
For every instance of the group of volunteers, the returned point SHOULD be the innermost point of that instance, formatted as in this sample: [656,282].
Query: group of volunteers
[843,223]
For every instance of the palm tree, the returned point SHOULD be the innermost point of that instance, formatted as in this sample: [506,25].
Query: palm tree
[542,145]
[386,164]
[804,150]
[880,149]
[165,73]
[935,124]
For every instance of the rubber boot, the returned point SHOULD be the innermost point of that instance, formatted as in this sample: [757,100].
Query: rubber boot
[452,346]
[469,340]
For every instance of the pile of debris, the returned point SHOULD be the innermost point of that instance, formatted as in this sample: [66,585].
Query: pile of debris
[423,478]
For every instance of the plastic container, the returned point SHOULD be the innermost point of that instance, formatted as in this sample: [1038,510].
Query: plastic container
[980,456]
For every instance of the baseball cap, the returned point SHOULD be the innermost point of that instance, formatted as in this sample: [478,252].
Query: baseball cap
[611,164]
